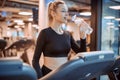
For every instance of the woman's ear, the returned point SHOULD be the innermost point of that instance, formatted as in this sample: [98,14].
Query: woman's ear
[53,13]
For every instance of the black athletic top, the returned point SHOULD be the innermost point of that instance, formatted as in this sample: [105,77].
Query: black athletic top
[53,44]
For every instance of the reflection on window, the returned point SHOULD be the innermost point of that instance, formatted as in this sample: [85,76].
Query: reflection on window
[110,26]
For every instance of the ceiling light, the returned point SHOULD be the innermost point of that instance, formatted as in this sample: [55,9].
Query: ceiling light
[109,17]
[35,26]
[110,23]
[85,13]
[117,19]
[16,26]
[18,21]
[30,19]
[115,7]
[25,13]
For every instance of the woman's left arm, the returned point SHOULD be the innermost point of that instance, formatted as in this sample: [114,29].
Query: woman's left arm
[82,46]
[78,47]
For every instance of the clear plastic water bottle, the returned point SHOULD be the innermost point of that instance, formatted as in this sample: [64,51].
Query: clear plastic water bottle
[83,25]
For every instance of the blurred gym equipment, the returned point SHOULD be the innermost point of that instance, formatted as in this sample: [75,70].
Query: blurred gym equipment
[88,66]
[115,71]
[3,44]
[14,69]
[21,45]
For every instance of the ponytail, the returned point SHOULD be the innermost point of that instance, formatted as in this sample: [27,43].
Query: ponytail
[50,17]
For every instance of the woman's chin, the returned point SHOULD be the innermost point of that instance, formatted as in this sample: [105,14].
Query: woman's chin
[65,21]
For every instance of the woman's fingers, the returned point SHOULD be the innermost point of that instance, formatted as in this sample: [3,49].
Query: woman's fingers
[82,34]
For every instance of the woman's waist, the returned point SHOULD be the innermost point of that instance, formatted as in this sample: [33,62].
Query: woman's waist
[54,62]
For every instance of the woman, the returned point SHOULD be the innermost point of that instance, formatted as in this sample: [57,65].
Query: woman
[54,42]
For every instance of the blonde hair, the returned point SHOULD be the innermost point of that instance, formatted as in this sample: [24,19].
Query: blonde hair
[52,6]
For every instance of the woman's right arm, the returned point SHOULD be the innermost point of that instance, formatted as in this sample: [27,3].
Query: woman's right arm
[37,54]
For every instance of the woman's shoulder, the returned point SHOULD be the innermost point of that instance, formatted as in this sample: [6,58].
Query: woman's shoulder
[45,30]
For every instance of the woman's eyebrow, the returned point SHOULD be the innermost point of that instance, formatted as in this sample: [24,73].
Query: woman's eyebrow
[64,9]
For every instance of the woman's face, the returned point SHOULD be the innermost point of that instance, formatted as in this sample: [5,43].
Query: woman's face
[61,13]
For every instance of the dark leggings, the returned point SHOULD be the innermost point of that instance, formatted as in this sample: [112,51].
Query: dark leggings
[45,70]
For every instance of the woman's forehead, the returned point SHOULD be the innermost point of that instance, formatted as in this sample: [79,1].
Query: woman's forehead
[62,7]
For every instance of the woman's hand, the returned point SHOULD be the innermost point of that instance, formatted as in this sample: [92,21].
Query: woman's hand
[82,34]
[84,28]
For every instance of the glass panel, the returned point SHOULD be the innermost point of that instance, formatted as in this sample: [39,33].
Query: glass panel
[110,26]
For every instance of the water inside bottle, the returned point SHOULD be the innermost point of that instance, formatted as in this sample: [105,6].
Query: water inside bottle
[84,26]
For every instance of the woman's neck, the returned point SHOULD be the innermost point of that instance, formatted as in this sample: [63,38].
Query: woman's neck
[57,27]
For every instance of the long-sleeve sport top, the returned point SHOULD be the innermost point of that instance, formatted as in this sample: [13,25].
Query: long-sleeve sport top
[53,44]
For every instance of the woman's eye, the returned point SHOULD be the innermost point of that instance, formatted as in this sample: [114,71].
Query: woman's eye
[63,11]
